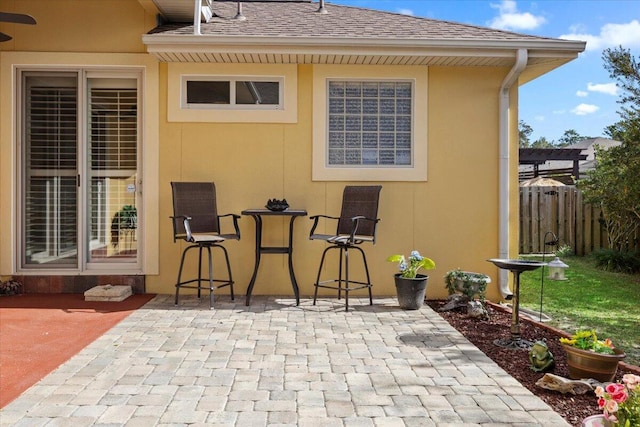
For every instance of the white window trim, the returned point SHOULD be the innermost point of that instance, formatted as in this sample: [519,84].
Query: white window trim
[287,73]
[321,171]
[232,80]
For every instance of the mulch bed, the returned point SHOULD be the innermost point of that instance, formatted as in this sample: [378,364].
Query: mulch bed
[482,333]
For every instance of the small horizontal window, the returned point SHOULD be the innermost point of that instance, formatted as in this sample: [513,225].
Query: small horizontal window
[232,93]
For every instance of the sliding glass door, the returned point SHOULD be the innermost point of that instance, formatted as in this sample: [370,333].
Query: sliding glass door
[80,136]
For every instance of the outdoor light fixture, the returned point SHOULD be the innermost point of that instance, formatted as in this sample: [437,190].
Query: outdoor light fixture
[556,269]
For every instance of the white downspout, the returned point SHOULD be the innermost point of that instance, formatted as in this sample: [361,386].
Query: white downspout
[196,17]
[503,123]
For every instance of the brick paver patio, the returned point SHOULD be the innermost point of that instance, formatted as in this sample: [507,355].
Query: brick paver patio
[278,364]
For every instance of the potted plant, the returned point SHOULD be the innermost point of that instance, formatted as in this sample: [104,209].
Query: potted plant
[125,219]
[468,283]
[410,285]
[589,357]
[619,402]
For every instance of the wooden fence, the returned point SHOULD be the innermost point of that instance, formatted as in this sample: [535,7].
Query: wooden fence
[560,210]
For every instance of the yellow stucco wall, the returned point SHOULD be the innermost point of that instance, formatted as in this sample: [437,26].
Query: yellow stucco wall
[78,26]
[452,217]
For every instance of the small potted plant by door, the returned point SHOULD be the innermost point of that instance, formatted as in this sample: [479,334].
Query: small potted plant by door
[410,285]
[467,283]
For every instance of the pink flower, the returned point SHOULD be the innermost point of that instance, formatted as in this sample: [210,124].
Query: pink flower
[617,392]
[632,381]
[611,407]
[613,388]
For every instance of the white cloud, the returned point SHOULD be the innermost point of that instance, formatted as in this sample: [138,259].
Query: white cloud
[611,35]
[584,109]
[559,112]
[405,12]
[539,118]
[582,93]
[606,88]
[510,19]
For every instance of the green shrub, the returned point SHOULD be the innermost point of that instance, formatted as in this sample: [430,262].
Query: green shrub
[622,262]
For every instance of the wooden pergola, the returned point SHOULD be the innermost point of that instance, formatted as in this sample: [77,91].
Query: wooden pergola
[539,156]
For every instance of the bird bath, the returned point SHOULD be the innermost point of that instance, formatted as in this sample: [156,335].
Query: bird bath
[516,266]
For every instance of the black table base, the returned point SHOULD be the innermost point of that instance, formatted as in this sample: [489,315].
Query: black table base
[257,215]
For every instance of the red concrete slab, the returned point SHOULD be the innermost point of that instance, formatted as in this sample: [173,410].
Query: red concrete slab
[39,332]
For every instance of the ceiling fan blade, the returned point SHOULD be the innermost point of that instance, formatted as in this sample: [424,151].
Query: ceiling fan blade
[17,18]
[4,37]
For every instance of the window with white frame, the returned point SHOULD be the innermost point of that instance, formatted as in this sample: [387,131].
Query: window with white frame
[215,92]
[369,123]
[79,133]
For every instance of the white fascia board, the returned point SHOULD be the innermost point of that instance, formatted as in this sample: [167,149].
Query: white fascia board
[217,40]
[314,45]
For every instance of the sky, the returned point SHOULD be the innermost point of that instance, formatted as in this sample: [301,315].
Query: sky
[579,95]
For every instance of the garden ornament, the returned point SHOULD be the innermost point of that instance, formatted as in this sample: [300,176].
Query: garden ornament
[540,357]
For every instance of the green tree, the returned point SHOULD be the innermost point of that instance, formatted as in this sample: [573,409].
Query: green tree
[623,67]
[614,185]
[524,132]
[570,137]
[541,143]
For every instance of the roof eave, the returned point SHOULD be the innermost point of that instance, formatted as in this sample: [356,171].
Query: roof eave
[544,54]
[183,40]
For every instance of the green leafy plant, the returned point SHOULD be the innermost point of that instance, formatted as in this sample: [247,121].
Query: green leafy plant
[125,218]
[472,283]
[565,251]
[409,269]
[620,402]
[619,261]
[586,339]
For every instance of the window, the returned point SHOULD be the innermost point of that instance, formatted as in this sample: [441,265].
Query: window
[203,92]
[80,133]
[232,93]
[369,123]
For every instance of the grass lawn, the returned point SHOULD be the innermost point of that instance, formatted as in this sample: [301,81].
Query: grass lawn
[590,298]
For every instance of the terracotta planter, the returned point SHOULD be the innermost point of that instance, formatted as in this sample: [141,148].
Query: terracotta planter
[589,364]
[410,292]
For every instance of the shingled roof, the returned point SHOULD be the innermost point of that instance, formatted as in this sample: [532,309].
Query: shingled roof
[301,19]
[349,32]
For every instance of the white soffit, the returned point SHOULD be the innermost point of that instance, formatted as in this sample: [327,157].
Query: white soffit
[182,10]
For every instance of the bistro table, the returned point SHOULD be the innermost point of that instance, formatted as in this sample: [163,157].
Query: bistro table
[257,215]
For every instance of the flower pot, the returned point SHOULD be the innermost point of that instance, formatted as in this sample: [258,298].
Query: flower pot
[596,421]
[411,292]
[589,364]
[467,283]
[476,283]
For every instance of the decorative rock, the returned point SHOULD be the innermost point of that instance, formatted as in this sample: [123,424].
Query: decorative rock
[564,385]
[477,310]
[108,293]
[455,301]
